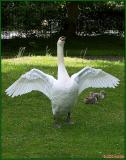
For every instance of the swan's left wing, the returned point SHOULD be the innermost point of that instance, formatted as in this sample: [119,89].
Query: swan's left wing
[95,78]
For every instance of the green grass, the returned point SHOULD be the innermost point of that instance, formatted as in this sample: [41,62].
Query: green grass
[27,130]
[99,45]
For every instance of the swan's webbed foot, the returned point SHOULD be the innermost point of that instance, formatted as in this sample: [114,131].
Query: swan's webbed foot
[68,119]
[70,122]
[56,123]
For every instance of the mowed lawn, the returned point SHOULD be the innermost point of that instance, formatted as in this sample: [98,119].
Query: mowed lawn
[27,130]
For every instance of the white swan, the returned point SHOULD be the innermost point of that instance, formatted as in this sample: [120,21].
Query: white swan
[62,92]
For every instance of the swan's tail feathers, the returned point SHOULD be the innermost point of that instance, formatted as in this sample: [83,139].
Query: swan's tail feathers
[34,80]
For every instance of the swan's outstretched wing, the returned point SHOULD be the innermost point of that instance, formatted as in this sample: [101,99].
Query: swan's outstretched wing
[95,78]
[33,80]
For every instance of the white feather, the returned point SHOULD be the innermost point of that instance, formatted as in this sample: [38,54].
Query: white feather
[32,80]
[96,78]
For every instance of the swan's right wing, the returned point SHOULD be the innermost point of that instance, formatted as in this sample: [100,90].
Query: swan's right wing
[34,80]
[95,78]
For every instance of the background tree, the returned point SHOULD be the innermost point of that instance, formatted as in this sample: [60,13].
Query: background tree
[30,22]
[70,17]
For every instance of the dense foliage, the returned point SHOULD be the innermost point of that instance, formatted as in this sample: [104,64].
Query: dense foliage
[47,18]
[37,25]
[100,17]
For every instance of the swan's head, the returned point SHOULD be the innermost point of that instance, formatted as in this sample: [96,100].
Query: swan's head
[61,41]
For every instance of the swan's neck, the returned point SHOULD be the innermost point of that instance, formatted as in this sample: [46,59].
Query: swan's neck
[60,54]
[62,72]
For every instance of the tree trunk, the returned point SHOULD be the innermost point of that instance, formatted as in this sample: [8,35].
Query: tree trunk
[70,23]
